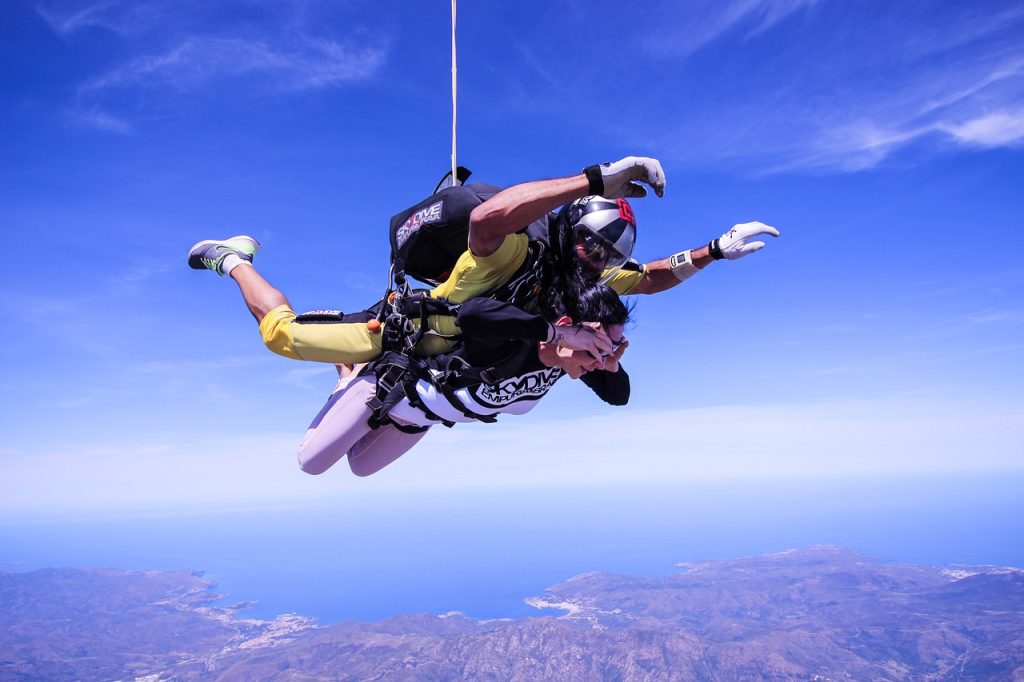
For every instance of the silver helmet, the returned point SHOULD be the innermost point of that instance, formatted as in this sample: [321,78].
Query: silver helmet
[603,231]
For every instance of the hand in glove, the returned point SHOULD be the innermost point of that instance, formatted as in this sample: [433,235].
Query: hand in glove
[615,180]
[736,242]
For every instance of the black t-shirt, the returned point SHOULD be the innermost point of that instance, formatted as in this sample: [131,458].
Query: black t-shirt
[494,331]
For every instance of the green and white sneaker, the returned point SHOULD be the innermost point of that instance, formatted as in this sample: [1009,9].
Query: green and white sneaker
[210,254]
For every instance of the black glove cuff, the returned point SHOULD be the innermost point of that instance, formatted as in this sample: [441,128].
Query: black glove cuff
[595,179]
[715,250]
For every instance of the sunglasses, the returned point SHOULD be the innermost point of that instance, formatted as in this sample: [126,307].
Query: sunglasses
[616,345]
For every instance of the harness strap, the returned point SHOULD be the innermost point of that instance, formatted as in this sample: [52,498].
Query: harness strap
[389,370]
[398,372]
[397,376]
[448,391]
[525,284]
[409,383]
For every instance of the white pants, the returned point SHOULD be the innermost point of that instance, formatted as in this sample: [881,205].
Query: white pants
[341,427]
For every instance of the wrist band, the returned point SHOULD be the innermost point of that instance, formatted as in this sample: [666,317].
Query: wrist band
[715,250]
[595,179]
[682,265]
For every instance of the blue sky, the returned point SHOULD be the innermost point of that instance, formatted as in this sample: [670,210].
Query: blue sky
[881,334]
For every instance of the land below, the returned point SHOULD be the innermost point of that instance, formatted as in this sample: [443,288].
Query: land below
[823,613]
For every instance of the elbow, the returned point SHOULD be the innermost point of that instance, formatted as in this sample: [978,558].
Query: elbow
[485,216]
[620,396]
[487,222]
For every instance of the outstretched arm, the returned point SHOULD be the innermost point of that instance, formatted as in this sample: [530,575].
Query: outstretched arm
[664,274]
[513,209]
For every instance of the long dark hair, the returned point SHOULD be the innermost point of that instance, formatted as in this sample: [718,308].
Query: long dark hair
[565,276]
[600,303]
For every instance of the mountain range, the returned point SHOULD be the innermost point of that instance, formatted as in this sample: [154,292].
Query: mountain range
[822,613]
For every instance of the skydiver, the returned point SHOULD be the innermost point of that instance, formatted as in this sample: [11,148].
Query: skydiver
[526,347]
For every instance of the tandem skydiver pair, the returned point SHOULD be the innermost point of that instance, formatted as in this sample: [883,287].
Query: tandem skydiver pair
[535,296]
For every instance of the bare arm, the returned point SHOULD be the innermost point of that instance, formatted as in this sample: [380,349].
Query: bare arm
[516,207]
[658,274]
[513,209]
[664,274]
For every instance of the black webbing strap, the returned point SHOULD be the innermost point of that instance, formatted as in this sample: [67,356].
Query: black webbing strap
[460,374]
[397,375]
[525,285]
[409,382]
[390,369]
[448,391]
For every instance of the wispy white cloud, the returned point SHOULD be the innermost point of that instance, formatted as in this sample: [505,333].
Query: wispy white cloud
[945,287]
[197,62]
[173,471]
[100,120]
[142,271]
[998,129]
[177,49]
[953,118]
[301,377]
[113,15]
[680,29]
[898,434]
[787,85]
[204,366]
[846,90]
[915,433]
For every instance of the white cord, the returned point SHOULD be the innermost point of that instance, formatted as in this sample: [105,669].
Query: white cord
[455,178]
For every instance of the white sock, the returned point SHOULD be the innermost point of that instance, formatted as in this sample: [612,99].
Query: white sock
[232,261]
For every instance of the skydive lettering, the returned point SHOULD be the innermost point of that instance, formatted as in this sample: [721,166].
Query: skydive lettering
[430,214]
[534,384]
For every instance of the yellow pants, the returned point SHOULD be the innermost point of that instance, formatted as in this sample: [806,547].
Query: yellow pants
[348,342]
[353,342]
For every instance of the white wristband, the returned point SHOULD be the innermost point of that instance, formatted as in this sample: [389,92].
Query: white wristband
[682,265]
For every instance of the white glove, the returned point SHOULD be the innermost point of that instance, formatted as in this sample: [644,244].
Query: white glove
[735,243]
[615,180]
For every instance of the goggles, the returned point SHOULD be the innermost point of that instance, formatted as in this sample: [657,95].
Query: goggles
[597,251]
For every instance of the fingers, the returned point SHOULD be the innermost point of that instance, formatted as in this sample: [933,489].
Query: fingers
[593,342]
[755,228]
[745,249]
[597,342]
[734,243]
[623,177]
[602,344]
[611,363]
[655,176]
[635,191]
[648,170]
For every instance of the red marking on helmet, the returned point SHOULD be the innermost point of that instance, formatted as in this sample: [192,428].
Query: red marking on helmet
[626,211]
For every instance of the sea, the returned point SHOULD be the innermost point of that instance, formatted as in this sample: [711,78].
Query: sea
[483,552]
